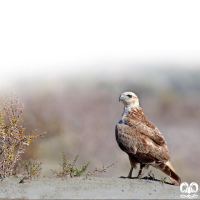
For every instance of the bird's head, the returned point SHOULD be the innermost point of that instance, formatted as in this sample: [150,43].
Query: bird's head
[129,99]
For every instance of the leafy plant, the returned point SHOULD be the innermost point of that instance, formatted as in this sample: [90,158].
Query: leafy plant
[69,169]
[163,180]
[13,141]
[32,168]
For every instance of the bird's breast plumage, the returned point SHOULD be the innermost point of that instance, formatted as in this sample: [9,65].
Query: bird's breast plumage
[138,139]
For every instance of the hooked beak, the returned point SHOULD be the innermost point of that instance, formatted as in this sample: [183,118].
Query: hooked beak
[121,98]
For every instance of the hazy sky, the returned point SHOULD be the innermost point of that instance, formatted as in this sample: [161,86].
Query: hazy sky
[16,65]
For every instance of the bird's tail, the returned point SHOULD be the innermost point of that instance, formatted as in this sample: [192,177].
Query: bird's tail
[168,169]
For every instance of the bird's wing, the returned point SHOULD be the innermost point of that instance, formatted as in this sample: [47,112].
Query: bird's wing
[139,145]
[147,128]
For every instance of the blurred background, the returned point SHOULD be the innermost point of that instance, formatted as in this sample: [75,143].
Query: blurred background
[70,61]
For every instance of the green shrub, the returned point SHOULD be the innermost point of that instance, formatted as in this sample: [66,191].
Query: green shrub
[68,169]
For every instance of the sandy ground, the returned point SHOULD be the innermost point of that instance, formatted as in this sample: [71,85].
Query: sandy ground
[92,188]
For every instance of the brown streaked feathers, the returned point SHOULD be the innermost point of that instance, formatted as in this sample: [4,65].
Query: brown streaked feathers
[142,140]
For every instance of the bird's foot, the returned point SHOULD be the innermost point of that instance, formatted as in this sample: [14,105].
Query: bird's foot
[139,176]
[128,176]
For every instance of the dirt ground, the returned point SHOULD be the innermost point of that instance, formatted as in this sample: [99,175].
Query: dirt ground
[91,188]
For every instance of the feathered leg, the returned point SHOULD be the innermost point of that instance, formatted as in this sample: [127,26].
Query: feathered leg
[168,169]
[141,171]
[133,165]
[130,173]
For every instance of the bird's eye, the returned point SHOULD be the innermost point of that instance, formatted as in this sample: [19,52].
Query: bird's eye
[129,95]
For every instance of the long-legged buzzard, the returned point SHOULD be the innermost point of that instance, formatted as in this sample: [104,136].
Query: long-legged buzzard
[142,140]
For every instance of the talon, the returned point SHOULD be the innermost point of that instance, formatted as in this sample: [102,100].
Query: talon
[139,176]
[129,176]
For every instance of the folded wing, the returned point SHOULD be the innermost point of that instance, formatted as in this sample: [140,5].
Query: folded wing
[147,128]
[139,145]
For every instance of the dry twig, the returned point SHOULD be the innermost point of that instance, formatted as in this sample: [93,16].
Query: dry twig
[99,170]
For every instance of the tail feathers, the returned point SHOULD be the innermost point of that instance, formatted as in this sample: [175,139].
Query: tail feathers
[168,169]
[174,177]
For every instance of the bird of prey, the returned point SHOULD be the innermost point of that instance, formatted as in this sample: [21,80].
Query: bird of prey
[142,140]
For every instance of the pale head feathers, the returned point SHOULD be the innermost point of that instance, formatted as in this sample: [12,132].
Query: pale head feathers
[129,99]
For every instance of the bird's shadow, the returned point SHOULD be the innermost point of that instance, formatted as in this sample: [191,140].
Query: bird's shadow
[150,178]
